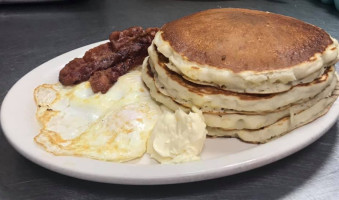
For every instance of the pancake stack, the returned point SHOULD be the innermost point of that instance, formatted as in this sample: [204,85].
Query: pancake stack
[254,75]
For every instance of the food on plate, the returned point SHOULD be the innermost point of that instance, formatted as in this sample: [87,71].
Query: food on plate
[177,137]
[114,126]
[242,123]
[222,72]
[103,64]
[246,51]
[254,75]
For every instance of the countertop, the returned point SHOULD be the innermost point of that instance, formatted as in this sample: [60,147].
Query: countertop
[31,34]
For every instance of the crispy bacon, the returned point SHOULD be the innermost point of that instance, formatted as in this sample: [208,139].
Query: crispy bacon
[102,81]
[80,69]
[104,64]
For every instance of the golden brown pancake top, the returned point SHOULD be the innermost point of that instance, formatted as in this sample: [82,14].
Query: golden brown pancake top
[245,40]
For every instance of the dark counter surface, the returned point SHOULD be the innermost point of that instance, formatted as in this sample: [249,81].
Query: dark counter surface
[32,34]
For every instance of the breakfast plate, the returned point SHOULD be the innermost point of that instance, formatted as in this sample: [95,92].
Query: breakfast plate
[220,156]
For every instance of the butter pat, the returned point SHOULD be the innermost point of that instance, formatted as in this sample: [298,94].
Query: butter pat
[177,137]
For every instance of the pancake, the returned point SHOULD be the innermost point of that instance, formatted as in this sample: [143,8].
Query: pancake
[215,99]
[246,51]
[254,75]
[233,121]
[281,127]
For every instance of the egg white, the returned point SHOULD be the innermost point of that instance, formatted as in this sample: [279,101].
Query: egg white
[114,126]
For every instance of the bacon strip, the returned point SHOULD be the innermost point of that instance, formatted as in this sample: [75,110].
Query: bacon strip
[104,64]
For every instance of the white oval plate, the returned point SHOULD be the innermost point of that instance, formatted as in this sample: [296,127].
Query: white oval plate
[220,157]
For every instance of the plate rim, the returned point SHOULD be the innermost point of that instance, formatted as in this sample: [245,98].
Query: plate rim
[182,173]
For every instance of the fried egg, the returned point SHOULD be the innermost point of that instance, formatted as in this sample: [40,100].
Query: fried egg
[114,126]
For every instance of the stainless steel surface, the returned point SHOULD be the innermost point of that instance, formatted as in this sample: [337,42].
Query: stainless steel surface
[34,33]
